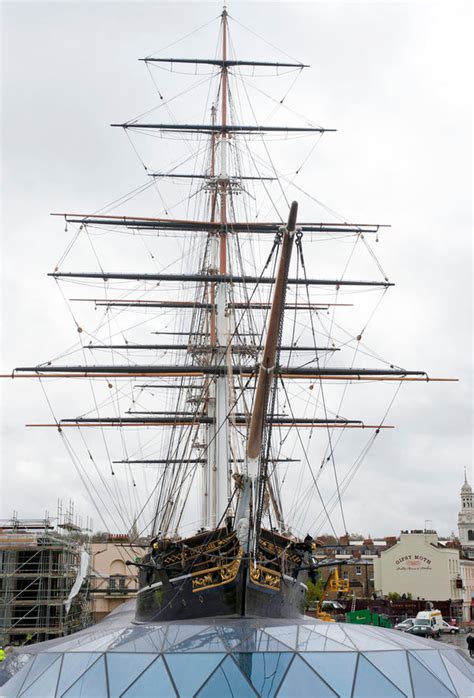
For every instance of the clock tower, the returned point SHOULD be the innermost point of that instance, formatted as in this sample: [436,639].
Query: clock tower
[466,519]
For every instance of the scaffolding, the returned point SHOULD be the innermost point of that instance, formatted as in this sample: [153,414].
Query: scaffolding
[39,563]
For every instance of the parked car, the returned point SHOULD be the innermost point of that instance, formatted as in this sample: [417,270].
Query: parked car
[332,606]
[423,627]
[405,625]
[423,630]
[448,628]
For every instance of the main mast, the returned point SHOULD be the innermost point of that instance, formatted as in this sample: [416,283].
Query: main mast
[218,447]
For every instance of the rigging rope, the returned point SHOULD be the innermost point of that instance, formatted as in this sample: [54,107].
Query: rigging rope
[299,247]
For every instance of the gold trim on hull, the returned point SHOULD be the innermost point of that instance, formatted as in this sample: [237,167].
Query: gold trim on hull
[217,576]
[264,577]
[188,553]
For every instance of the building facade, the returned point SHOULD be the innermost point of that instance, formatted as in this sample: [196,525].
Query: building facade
[359,572]
[466,540]
[112,581]
[419,565]
[467,578]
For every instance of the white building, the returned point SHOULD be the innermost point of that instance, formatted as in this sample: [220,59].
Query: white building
[466,538]
[425,568]
[467,576]
[466,520]
[419,565]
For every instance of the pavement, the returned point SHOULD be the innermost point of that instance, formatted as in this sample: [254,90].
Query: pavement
[458,640]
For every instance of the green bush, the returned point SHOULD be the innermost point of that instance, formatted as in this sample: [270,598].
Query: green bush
[314,592]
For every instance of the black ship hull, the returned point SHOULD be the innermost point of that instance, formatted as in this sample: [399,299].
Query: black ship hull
[227,583]
[178,600]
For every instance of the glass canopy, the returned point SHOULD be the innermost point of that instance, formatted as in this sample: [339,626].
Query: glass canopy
[237,657]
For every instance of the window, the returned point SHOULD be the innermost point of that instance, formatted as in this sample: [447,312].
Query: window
[345,574]
[358,569]
[470,535]
[111,582]
[118,567]
[121,582]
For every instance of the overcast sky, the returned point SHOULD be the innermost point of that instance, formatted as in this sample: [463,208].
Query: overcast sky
[393,77]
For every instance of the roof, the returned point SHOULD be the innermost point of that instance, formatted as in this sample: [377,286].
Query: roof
[237,656]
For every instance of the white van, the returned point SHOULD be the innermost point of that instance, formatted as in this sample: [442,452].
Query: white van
[428,623]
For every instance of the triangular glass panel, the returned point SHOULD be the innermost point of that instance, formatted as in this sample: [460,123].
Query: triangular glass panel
[287,634]
[123,669]
[459,661]
[233,635]
[336,668]
[264,670]
[190,671]
[405,641]
[394,665]
[45,684]
[388,635]
[149,642]
[300,680]
[12,686]
[92,683]
[152,682]
[207,639]
[126,635]
[371,682]
[336,632]
[75,644]
[99,644]
[41,663]
[424,682]
[227,681]
[464,685]
[433,662]
[177,634]
[365,639]
[311,640]
[261,642]
[74,665]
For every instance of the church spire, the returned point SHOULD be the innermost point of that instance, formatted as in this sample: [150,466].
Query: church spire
[467,504]
[466,490]
[466,518]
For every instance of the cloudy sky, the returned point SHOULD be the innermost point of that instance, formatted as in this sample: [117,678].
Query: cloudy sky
[393,77]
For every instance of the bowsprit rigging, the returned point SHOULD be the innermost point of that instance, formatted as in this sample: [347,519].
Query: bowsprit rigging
[246,386]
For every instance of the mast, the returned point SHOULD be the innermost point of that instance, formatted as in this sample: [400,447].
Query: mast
[268,364]
[253,488]
[209,391]
[218,445]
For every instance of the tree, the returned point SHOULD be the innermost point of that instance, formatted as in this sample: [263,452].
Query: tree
[314,592]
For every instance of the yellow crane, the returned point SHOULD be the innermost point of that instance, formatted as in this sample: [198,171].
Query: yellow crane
[333,583]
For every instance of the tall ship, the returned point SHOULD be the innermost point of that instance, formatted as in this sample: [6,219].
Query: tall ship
[228,420]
